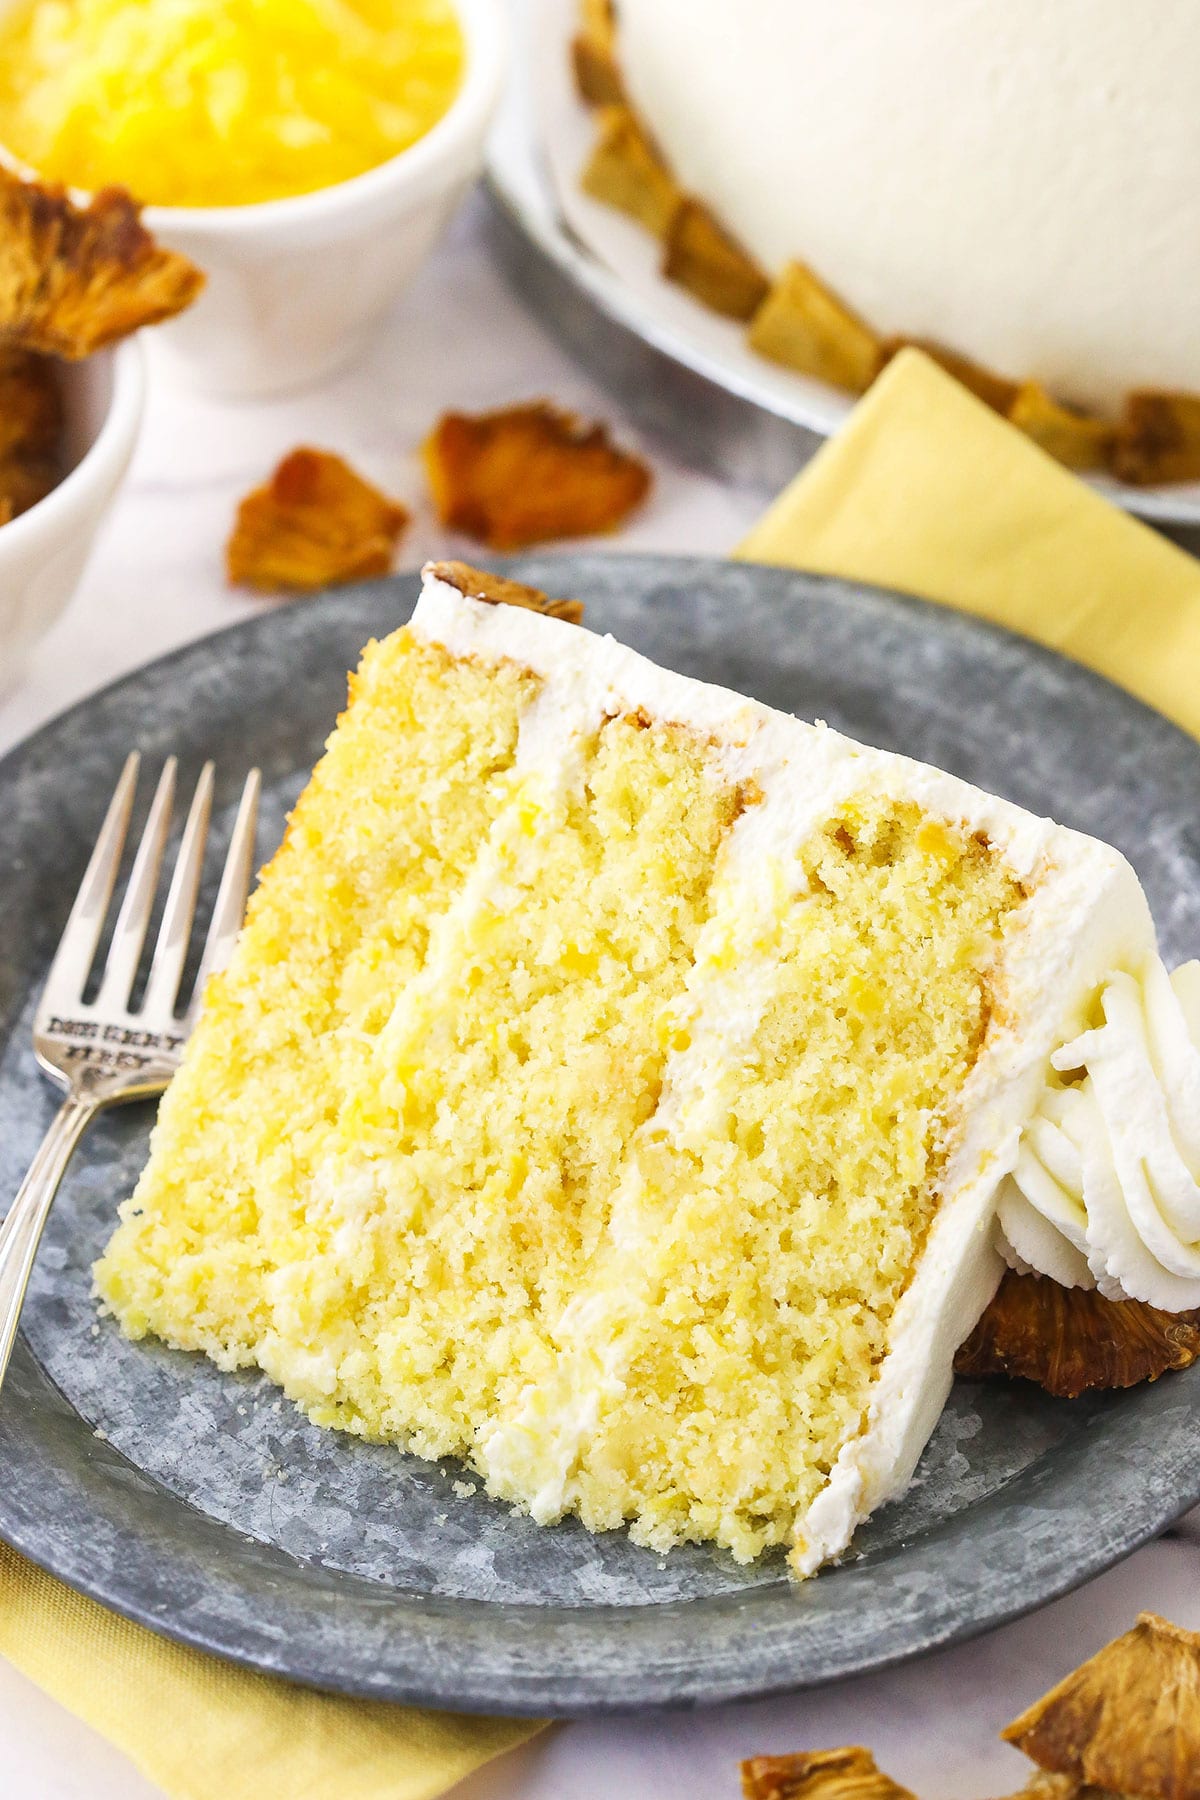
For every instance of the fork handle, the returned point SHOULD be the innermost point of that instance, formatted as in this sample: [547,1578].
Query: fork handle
[22,1229]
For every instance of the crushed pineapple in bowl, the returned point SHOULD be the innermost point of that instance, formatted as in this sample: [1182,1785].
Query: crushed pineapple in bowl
[222,102]
[304,152]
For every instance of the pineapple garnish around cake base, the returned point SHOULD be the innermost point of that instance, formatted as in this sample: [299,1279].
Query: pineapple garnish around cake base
[1158,438]
[613,1083]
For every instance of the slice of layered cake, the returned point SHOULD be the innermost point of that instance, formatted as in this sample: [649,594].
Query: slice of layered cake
[617,1085]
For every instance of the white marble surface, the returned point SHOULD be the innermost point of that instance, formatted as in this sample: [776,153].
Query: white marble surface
[459,339]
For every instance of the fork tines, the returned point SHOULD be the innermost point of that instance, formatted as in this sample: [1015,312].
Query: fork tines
[81,938]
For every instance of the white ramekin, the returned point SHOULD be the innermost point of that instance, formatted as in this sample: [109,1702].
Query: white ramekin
[43,551]
[296,286]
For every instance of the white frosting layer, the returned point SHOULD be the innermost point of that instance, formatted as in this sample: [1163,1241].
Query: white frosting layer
[1084,931]
[1016,181]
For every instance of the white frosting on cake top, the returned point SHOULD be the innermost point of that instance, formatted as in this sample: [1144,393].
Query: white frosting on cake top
[1092,1180]
[1016,181]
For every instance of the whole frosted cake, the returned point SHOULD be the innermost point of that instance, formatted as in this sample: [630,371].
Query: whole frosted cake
[618,1085]
[1015,182]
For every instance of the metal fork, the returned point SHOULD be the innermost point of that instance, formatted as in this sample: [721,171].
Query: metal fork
[102,1051]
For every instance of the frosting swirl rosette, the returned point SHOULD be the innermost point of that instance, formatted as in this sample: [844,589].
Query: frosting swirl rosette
[1105,1191]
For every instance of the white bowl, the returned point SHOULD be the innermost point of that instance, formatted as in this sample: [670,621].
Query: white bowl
[296,286]
[43,551]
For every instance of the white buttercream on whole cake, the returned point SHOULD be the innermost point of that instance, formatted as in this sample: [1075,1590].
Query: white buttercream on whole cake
[1016,182]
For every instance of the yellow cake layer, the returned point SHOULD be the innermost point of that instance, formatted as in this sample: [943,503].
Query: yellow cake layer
[427,1163]
[763,1245]
[377,847]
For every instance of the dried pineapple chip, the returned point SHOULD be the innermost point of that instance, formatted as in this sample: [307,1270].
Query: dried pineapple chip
[315,522]
[31,413]
[1124,1726]
[1074,439]
[1158,438]
[1058,1787]
[1043,1786]
[529,474]
[1128,1720]
[594,55]
[804,325]
[498,590]
[31,431]
[995,391]
[848,1774]
[702,257]
[73,279]
[1071,1340]
[625,170]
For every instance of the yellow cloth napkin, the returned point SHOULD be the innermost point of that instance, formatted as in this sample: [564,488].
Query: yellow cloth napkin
[205,1730]
[927,490]
[924,490]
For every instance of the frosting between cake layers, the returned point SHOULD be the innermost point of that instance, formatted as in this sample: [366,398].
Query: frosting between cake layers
[1083,926]
[1106,1187]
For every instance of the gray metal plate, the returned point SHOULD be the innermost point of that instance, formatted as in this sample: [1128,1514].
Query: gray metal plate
[207,1507]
